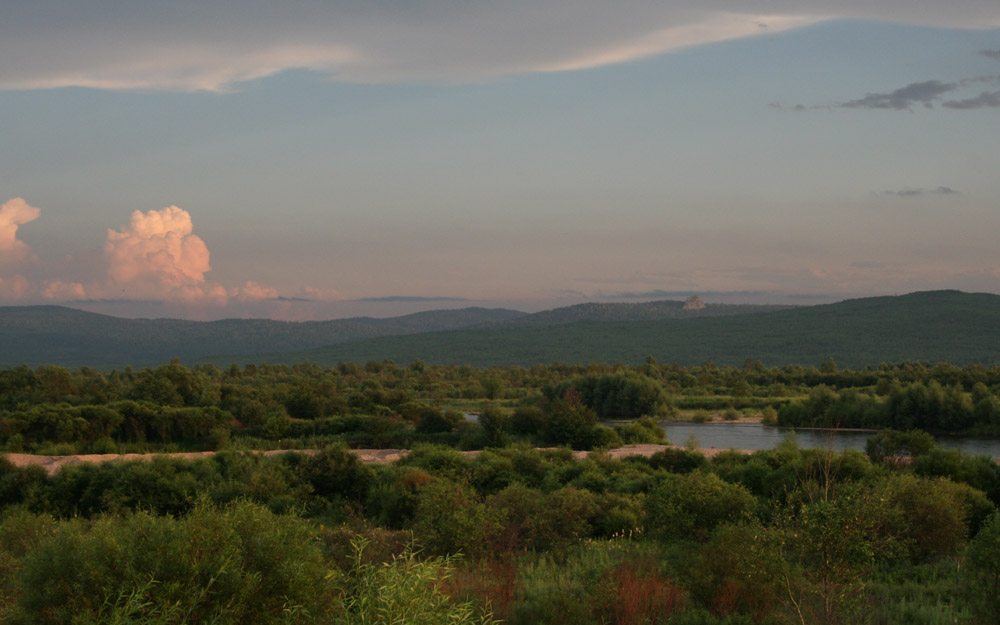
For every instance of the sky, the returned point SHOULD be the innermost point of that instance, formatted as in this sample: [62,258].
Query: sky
[313,160]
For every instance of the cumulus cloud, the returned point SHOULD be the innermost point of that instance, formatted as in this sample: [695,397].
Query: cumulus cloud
[59,290]
[13,287]
[251,291]
[158,253]
[154,257]
[13,213]
[213,44]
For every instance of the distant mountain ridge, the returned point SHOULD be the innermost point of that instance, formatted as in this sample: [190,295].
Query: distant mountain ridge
[638,311]
[935,326]
[66,336]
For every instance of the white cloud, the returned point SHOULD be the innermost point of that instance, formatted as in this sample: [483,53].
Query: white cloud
[157,255]
[213,44]
[14,213]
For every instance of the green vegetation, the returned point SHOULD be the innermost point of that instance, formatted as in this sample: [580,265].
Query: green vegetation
[53,410]
[521,531]
[63,336]
[935,326]
[776,536]
[947,326]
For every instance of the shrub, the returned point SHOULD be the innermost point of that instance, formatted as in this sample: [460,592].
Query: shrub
[691,505]
[237,564]
[677,460]
[982,571]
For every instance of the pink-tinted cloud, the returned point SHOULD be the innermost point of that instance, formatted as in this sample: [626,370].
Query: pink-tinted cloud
[155,257]
[158,255]
[60,290]
[311,292]
[157,247]
[13,287]
[14,213]
[251,291]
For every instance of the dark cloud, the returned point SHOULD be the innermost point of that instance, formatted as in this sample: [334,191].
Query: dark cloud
[993,54]
[986,99]
[905,97]
[908,192]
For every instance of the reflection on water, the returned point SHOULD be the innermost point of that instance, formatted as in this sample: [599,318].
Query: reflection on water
[754,436]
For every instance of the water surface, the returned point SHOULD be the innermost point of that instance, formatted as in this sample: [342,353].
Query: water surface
[754,436]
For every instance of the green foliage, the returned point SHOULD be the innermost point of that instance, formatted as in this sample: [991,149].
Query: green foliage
[893,446]
[616,396]
[238,564]
[677,460]
[406,590]
[691,505]
[451,518]
[336,472]
[494,424]
[982,571]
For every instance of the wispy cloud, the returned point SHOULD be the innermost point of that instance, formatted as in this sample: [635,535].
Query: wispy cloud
[410,298]
[904,98]
[910,192]
[986,99]
[215,44]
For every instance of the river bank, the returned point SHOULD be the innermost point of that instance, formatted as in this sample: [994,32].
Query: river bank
[51,464]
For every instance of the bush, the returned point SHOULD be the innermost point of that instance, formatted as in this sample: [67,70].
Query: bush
[982,571]
[407,590]
[237,564]
[677,460]
[691,505]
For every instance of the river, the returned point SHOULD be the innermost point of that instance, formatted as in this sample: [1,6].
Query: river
[754,436]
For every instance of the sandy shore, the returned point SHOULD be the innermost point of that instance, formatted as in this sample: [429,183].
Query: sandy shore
[51,464]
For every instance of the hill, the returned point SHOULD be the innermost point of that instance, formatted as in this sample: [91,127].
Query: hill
[948,326]
[65,336]
[637,311]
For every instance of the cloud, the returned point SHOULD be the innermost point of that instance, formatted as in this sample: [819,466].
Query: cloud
[986,99]
[252,292]
[916,192]
[905,97]
[992,54]
[13,287]
[157,253]
[214,44]
[14,213]
[411,298]
[311,293]
[59,290]
[156,257]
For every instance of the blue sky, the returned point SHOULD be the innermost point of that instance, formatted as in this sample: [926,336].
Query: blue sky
[226,159]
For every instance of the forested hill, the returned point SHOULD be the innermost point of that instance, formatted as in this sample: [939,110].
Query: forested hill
[69,337]
[637,311]
[65,336]
[935,326]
